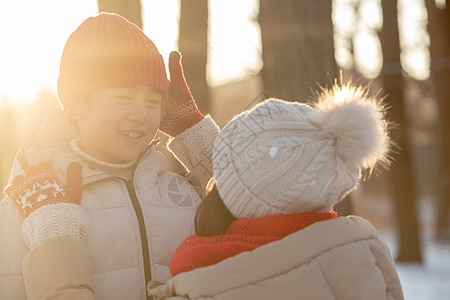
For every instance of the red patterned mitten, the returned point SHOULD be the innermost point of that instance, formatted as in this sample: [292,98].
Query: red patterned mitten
[181,111]
[51,209]
[41,187]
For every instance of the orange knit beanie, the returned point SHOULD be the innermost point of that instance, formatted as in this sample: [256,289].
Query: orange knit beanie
[108,51]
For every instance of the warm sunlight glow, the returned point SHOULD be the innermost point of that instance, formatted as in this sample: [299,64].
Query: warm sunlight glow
[367,47]
[414,38]
[368,58]
[441,4]
[32,39]
[234,40]
[343,93]
[361,25]
[356,41]
[160,23]
[344,20]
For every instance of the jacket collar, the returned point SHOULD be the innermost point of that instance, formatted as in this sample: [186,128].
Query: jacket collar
[60,155]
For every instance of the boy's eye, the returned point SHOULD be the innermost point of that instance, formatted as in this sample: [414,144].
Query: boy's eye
[153,101]
[123,98]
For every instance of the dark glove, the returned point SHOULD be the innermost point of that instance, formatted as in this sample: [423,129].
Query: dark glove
[181,111]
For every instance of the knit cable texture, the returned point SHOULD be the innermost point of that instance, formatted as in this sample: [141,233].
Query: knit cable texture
[307,178]
[254,154]
[194,145]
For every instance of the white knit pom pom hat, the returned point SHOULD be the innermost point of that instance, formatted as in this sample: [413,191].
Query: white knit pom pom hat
[285,157]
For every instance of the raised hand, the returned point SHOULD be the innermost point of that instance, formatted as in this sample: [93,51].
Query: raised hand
[181,111]
[40,186]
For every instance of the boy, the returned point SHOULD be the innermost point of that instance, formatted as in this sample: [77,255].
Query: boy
[100,217]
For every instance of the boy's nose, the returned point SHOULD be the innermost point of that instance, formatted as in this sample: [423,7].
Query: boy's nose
[138,112]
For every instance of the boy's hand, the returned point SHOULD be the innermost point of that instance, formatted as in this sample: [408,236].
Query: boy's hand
[41,187]
[181,112]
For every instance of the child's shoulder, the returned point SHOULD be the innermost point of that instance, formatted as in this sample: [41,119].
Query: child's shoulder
[47,125]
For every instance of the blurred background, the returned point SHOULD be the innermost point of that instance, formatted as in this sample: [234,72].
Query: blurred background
[239,52]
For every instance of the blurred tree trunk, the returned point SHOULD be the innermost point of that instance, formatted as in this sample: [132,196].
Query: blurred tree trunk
[439,30]
[131,9]
[298,52]
[193,44]
[298,49]
[401,170]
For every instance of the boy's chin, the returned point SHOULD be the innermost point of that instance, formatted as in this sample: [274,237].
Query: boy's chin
[123,158]
[127,158]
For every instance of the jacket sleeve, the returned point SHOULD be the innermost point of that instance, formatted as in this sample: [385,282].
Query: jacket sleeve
[58,264]
[12,251]
[193,148]
[59,269]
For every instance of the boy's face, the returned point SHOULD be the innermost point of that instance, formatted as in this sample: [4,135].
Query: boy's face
[118,123]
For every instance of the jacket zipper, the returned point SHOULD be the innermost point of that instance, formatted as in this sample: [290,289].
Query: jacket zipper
[143,233]
[140,216]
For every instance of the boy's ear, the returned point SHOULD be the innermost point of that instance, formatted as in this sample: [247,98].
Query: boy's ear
[76,111]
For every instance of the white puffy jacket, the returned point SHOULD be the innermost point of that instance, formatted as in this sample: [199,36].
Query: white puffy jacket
[134,222]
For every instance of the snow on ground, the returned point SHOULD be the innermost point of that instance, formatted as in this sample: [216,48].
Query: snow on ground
[429,280]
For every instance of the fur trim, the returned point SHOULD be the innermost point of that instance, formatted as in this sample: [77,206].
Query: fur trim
[356,122]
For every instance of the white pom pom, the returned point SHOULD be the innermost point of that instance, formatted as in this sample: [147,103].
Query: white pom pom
[356,122]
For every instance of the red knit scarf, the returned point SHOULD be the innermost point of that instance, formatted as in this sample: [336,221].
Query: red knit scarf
[243,235]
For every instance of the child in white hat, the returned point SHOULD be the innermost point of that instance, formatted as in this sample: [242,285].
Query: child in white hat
[269,231]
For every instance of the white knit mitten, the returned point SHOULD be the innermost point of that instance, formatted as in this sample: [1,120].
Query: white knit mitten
[51,209]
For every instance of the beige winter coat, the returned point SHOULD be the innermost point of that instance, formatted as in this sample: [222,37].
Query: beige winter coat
[336,259]
[134,225]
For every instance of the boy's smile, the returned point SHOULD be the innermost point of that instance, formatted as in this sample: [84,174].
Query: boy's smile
[118,123]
